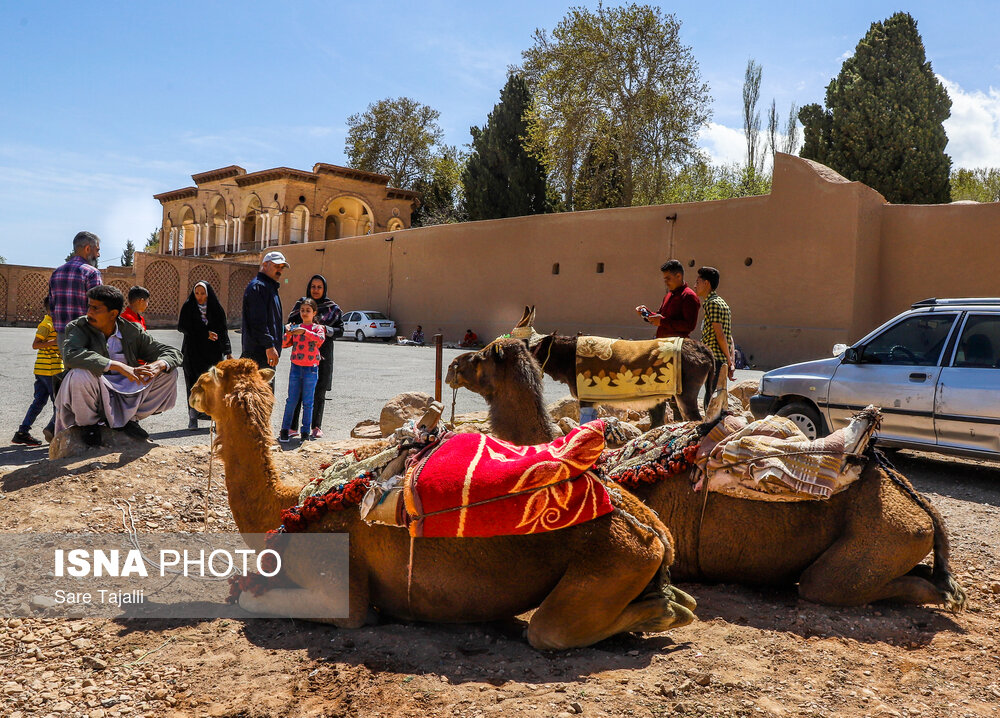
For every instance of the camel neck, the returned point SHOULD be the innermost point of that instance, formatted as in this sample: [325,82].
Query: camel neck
[520,417]
[257,495]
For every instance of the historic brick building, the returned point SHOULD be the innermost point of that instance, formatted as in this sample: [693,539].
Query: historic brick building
[229,211]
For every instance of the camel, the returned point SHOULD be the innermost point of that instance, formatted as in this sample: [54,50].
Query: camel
[558,353]
[588,582]
[861,545]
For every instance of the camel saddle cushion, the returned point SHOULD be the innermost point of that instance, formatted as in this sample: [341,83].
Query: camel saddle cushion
[618,370]
[476,485]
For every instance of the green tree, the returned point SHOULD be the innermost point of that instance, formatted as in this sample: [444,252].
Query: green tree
[442,198]
[981,184]
[3,260]
[501,178]
[882,124]
[599,181]
[615,83]
[153,242]
[395,137]
[128,253]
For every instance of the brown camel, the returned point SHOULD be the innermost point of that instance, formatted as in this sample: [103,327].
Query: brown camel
[863,544]
[557,355]
[588,582]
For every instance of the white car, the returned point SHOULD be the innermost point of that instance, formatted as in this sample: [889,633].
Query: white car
[367,323]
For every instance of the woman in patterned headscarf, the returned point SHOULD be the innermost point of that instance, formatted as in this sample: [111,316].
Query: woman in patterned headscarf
[329,315]
[206,338]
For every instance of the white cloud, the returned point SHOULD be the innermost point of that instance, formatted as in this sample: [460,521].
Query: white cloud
[130,216]
[974,126]
[724,145]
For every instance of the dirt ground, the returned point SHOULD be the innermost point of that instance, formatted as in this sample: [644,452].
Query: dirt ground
[751,653]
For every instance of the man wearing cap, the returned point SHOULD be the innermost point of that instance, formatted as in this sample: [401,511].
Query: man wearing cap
[262,313]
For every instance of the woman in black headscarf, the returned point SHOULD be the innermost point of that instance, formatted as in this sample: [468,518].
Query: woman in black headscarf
[329,315]
[206,339]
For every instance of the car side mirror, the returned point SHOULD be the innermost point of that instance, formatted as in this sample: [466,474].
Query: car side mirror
[839,349]
[852,355]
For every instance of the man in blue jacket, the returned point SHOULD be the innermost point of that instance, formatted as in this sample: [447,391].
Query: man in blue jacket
[262,314]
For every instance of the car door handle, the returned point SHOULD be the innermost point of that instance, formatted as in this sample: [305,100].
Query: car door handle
[918,376]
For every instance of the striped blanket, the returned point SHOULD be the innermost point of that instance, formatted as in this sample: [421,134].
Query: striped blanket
[618,370]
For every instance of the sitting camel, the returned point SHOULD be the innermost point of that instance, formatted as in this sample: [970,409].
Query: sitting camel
[863,544]
[588,582]
[558,356]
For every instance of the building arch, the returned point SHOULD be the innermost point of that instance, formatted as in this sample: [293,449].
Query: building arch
[299,232]
[395,224]
[167,237]
[163,283]
[250,235]
[186,230]
[347,215]
[216,240]
[238,281]
[31,290]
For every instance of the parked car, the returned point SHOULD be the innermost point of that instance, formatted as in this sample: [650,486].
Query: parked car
[934,370]
[367,323]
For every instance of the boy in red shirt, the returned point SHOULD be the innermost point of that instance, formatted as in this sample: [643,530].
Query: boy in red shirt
[305,340]
[138,302]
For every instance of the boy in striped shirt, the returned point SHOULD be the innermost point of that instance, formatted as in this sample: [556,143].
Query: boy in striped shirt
[48,363]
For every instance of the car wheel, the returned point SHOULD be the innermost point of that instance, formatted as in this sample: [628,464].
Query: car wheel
[806,417]
[359,336]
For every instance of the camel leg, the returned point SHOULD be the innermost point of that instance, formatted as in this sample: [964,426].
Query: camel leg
[595,599]
[857,571]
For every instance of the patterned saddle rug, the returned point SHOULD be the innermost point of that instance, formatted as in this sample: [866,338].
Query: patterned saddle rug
[476,485]
[621,371]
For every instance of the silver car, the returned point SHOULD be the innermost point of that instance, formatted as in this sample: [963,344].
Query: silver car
[366,324]
[934,370]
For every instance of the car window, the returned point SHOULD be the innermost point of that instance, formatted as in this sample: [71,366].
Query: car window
[979,345]
[353,316]
[377,315]
[915,341]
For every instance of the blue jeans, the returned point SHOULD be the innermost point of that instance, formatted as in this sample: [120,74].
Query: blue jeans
[301,386]
[43,394]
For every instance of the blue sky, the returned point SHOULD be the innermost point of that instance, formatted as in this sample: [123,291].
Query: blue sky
[106,103]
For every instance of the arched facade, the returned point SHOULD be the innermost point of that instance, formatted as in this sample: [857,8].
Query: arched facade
[216,240]
[203,273]
[238,281]
[123,286]
[347,216]
[250,234]
[3,298]
[300,225]
[31,291]
[187,230]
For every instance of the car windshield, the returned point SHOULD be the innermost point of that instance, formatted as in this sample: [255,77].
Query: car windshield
[915,341]
[376,315]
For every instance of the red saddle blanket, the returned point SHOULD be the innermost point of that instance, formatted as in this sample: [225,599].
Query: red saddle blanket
[475,485]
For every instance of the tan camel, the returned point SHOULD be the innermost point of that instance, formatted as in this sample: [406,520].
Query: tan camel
[864,544]
[588,582]
[558,354]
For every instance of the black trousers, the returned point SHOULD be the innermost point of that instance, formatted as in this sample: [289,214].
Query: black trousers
[260,357]
[324,385]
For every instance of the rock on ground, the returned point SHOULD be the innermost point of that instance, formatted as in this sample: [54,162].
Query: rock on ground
[69,443]
[402,407]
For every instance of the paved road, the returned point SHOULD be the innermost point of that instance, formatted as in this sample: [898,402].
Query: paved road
[365,376]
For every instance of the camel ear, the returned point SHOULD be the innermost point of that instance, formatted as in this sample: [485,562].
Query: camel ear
[216,373]
[267,374]
[497,351]
[531,316]
[522,322]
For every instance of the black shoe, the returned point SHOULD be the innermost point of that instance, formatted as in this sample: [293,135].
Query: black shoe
[193,424]
[24,437]
[133,429]
[92,435]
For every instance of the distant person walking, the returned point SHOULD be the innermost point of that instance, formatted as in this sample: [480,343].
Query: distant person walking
[716,327]
[70,282]
[328,316]
[676,317]
[262,314]
[202,321]
[48,363]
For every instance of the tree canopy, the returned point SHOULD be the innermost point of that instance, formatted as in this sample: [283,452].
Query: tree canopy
[501,178]
[442,200]
[395,137]
[128,254]
[883,121]
[617,86]
[981,184]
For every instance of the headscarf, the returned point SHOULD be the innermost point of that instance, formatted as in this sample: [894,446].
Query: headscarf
[328,310]
[211,309]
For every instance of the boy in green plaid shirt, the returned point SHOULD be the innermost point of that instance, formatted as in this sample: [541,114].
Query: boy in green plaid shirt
[717,324]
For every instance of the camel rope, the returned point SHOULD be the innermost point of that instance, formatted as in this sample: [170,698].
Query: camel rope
[211,461]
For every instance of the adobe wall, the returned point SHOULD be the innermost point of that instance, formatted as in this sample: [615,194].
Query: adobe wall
[807,285]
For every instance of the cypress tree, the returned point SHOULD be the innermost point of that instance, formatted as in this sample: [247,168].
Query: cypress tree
[883,122]
[500,178]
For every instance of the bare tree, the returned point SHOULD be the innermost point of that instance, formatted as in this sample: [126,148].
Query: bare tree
[751,116]
[791,143]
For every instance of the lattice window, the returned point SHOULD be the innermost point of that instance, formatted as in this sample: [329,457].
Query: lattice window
[203,273]
[31,290]
[238,282]
[163,283]
[122,286]
[3,298]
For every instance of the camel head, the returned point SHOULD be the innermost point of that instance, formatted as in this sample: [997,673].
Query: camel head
[235,385]
[494,367]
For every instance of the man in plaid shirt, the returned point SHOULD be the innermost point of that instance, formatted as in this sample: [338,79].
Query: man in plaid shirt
[69,283]
[717,324]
